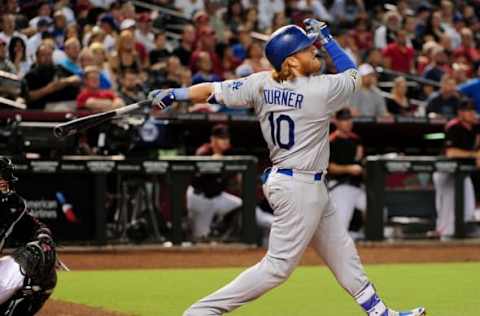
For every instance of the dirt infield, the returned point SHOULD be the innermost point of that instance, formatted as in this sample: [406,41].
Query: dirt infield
[222,256]
[237,256]
[59,308]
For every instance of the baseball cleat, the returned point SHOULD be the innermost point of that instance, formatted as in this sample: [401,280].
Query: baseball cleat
[419,311]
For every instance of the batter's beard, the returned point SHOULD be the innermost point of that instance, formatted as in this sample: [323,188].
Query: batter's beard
[316,67]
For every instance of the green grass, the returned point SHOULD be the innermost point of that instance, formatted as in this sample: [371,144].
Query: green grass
[445,289]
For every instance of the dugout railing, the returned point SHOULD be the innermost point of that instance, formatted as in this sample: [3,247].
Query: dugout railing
[78,184]
[377,169]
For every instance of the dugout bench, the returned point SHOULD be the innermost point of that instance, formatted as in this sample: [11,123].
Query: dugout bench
[377,168]
[80,182]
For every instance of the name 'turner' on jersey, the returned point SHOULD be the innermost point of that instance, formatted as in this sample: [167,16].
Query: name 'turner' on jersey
[283,97]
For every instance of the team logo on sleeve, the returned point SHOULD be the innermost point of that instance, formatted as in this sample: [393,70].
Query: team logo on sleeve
[235,85]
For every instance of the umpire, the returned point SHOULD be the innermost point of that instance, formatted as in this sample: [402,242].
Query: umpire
[28,276]
[344,169]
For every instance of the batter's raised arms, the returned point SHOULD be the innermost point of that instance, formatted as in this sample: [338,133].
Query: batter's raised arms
[293,104]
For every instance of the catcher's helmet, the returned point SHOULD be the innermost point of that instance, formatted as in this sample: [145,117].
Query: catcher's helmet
[287,41]
[6,170]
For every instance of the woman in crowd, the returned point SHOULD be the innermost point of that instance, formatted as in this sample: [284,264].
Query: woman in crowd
[18,56]
[398,103]
[126,57]
[101,61]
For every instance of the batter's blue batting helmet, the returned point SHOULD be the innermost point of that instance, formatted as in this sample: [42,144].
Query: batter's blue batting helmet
[287,41]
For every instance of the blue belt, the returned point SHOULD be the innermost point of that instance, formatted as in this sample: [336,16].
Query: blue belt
[288,172]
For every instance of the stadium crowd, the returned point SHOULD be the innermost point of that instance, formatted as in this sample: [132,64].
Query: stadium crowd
[100,54]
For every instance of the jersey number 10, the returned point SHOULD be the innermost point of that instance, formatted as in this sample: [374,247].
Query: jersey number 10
[276,126]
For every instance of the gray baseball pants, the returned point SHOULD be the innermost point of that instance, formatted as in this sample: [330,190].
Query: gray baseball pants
[303,214]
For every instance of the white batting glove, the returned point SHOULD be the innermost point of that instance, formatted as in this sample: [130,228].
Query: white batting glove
[319,28]
[162,98]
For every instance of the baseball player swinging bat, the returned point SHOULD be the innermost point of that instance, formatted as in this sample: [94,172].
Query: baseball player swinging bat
[89,121]
[293,104]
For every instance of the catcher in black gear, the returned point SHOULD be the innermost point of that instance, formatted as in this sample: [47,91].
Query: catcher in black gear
[28,275]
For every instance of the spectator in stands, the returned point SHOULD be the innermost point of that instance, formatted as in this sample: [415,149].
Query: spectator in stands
[244,41]
[86,59]
[12,7]
[399,56]
[189,7]
[375,58]
[204,70]
[59,28]
[128,10]
[174,70]
[316,6]
[460,72]
[44,12]
[160,53]
[398,103]
[346,40]
[109,28]
[126,56]
[362,34]
[8,30]
[185,47]
[266,11]
[468,50]
[35,40]
[92,97]
[347,11]
[17,52]
[5,63]
[385,34]
[345,169]
[471,89]
[279,20]
[460,142]
[207,43]
[170,73]
[107,77]
[251,20]
[214,10]
[255,58]
[368,101]
[201,20]
[131,89]
[445,102]
[434,27]
[64,7]
[229,61]
[233,17]
[143,33]
[438,66]
[69,63]
[131,26]
[46,83]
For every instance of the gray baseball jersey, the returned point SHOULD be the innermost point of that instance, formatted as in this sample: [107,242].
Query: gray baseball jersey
[294,115]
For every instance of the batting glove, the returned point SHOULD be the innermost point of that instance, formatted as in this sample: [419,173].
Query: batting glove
[319,28]
[162,98]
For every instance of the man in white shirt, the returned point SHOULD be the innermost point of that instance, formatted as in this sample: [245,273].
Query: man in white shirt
[143,33]
[189,7]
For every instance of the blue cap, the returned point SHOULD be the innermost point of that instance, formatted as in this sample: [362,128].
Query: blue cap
[285,42]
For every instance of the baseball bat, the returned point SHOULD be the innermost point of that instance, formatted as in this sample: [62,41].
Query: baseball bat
[89,121]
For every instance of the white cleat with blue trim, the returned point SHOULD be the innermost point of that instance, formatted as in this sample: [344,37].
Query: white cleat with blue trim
[419,311]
